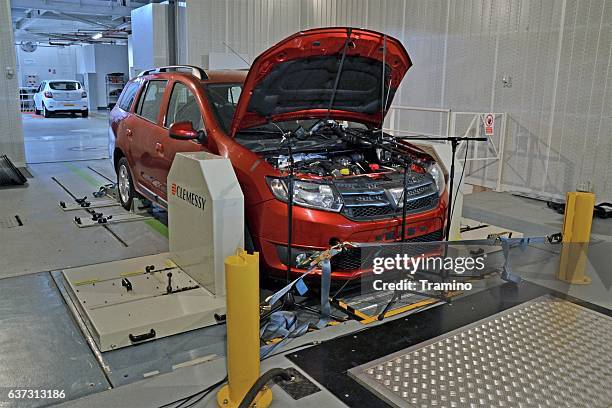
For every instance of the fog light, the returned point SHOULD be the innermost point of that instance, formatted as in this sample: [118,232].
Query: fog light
[298,255]
[300,258]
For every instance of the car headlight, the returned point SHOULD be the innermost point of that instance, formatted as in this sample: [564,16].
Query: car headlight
[307,194]
[436,172]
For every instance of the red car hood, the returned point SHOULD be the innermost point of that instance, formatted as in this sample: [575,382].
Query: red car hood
[295,78]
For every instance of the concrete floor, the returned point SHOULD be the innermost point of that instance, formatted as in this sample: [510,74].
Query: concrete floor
[49,241]
[65,137]
[540,263]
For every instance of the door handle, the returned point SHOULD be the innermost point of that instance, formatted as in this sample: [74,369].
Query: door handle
[159,148]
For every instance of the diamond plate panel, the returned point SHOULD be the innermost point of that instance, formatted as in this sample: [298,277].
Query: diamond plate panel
[544,353]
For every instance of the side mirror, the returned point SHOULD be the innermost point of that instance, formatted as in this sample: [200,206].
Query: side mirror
[183,131]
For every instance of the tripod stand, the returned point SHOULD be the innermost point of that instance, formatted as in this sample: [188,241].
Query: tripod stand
[454,141]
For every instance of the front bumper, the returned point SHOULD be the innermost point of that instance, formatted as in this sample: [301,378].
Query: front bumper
[316,230]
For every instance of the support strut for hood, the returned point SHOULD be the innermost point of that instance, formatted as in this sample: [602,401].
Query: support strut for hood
[337,80]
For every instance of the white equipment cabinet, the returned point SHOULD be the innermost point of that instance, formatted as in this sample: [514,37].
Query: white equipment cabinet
[134,300]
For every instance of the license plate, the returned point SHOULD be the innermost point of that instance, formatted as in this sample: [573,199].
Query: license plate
[69,104]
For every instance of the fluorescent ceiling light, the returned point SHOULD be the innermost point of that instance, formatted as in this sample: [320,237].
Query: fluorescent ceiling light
[96,36]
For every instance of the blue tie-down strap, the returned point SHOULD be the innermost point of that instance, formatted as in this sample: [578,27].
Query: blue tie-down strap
[282,324]
[298,283]
[325,286]
[285,324]
[522,243]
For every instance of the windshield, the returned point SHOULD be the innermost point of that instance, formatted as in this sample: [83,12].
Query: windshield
[224,98]
[64,86]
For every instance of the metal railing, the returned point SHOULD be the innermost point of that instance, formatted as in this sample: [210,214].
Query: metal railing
[450,123]
[26,99]
[487,153]
[394,119]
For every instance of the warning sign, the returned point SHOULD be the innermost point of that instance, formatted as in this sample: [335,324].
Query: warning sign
[489,124]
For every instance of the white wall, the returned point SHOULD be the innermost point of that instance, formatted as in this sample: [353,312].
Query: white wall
[48,63]
[97,60]
[149,37]
[11,132]
[558,53]
[109,58]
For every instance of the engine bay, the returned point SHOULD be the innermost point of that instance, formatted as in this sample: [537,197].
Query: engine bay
[334,164]
[327,149]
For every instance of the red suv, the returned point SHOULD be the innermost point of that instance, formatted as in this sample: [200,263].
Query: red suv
[323,93]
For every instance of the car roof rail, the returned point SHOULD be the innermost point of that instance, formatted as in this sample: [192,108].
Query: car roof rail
[195,71]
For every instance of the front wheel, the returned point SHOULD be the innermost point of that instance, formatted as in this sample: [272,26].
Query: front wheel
[125,184]
[85,113]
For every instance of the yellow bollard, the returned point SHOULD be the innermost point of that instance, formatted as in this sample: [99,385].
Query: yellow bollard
[576,236]
[242,287]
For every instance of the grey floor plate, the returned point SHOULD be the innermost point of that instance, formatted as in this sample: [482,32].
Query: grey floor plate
[543,353]
[130,364]
[41,348]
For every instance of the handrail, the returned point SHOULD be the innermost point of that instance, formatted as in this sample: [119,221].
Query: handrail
[420,108]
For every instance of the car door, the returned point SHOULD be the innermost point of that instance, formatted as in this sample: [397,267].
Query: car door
[146,132]
[183,106]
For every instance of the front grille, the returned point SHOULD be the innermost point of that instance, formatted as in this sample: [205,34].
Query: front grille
[358,258]
[369,198]
[374,212]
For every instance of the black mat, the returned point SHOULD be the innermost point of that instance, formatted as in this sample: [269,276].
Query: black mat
[329,362]
[9,174]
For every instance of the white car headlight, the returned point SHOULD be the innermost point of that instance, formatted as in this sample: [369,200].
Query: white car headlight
[307,194]
[436,172]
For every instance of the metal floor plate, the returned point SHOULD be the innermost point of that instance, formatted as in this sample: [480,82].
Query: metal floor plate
[41,348]
[544,353]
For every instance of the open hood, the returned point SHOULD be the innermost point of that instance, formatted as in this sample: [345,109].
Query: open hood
[295,79]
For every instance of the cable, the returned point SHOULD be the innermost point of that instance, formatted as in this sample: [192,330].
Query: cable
[206,393]
[183,400]
[261,382]
[209,389]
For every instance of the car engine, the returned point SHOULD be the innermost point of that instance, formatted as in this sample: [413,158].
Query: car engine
[335,164]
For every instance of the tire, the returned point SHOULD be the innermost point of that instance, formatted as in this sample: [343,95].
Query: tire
[36,111]
[45,112]
[85,113]
[125,184]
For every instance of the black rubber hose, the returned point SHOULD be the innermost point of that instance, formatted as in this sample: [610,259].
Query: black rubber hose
[261,382]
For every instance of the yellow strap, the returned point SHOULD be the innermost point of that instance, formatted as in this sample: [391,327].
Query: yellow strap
[85,282]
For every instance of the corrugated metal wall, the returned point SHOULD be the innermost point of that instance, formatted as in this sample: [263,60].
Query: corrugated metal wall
[11,132]
[557,54]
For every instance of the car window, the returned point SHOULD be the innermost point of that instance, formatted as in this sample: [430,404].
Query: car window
[64,86]
[183,107]
[223,99]
[150,102]
[128,95]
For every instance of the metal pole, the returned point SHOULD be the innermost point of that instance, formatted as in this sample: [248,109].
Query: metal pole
[454,143]
[172,37]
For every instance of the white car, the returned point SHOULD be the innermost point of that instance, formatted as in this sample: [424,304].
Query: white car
[64,96]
